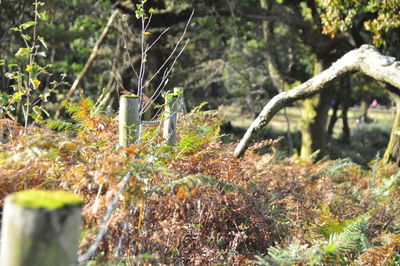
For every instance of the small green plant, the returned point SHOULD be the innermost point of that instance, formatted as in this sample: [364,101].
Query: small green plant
[26,73]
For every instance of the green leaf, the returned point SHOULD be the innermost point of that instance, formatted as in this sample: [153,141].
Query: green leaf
[15,29]
[151,10]
[2,62]
[28,24]
[42,15]
[16,96]
[23,52]
[26,37]
[9,75]
[41,39]
[3,98]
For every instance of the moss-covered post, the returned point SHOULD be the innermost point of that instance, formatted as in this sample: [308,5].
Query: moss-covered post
[171,108]
[129,121]
[40,228]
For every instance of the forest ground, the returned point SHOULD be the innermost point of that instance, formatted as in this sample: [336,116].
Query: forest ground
[199,205]
[367,139]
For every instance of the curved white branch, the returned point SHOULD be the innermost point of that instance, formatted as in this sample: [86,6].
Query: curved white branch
[366,59]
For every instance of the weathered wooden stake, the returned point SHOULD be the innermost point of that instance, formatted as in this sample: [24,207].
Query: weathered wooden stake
[181,99]
[40,228]
[129,122]
[171,107]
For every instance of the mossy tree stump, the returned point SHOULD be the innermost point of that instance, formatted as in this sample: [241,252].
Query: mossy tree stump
[129,121]
[40,228]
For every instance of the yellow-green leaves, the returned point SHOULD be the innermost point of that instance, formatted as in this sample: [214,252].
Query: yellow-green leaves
[23,52]
[42,15]
[36,83]
[28,24]
[341,15]
[41,40]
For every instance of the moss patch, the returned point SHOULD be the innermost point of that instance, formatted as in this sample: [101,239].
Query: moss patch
[45,199]
[130,96]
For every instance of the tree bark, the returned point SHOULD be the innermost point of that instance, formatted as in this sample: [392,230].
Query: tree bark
[392,153]
[364,111]
[273,68]
[314,119]
[345,108]
[366,59]
[342,100]
[334,118]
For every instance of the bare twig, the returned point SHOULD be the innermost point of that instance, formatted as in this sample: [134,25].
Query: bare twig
[103,230]
[92,55]
[172,53]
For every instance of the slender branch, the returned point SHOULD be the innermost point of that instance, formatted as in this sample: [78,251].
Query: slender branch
[158,38]
[173,51]
[164,79]
[103,230]
[92,55]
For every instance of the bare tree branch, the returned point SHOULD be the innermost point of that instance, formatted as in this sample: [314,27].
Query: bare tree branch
[92,55]
[366,59]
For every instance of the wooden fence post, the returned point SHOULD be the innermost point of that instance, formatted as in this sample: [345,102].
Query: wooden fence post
[181,99]
[129,122]
[40,228]
[171,107]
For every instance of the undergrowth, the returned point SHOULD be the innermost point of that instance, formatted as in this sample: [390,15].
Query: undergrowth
[196,204]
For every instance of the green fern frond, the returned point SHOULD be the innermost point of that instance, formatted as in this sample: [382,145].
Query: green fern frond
[351,239]
[84,104]
[335,168]
[71,108]
[295,253]
[192,181]
[374,170]
[61,125]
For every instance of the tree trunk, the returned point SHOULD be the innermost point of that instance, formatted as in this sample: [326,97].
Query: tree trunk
[367,59]
[272,65]
[313,122]
[334,118]
[364,111]
[345,108]
[342,100]
[392,153]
